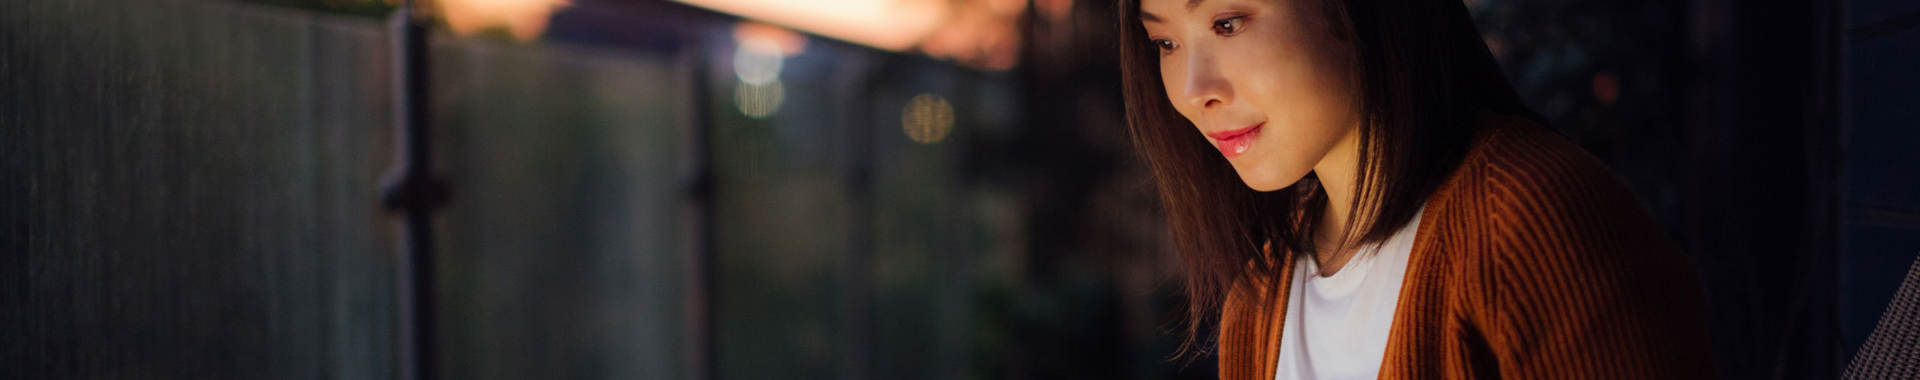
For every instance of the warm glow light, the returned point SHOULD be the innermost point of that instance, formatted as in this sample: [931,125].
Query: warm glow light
[768,38]
[978,33]
[927,118]
[1056,10]
[524,19]
[886,24]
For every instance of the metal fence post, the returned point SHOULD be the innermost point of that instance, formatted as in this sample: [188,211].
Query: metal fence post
[410,190]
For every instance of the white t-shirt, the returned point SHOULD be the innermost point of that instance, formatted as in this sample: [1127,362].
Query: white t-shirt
[1337,325]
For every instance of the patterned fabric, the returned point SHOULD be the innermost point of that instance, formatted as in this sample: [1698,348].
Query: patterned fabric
[1893,351]
[1533,261]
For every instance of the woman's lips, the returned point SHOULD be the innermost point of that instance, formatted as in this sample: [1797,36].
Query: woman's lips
[1233,143]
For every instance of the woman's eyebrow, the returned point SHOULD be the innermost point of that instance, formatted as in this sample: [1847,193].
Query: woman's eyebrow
[1149,17]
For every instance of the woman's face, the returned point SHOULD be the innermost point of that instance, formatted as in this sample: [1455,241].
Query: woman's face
[1263,80]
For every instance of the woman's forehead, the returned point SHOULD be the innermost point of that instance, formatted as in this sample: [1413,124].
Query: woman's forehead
[1166,10]
[1158,10]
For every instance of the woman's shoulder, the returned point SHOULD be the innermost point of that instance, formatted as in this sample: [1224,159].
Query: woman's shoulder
[1525,161]
[1537,218]
[1520,180]
[1561,265]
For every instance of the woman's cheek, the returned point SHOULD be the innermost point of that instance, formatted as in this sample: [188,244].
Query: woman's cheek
[1170,82]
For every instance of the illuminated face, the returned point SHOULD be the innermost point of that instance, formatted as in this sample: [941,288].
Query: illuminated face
[1263,80]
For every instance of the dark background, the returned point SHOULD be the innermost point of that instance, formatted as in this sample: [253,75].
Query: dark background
[189,189]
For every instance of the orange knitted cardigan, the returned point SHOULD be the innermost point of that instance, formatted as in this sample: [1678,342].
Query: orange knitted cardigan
[1532,261]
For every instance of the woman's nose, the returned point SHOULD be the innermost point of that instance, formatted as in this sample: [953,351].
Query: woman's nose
[1206,87]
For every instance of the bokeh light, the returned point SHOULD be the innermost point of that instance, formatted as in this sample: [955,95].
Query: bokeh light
[761,49]
[1606,87]
[759,100]
[927,118]
[755,66]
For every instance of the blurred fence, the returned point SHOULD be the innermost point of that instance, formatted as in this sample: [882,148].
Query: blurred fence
[191,192]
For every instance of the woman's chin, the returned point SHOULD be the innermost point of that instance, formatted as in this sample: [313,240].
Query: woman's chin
[1268,180]
[1264,186]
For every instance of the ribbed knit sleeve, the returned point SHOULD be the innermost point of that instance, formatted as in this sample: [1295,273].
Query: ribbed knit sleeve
[1575,281]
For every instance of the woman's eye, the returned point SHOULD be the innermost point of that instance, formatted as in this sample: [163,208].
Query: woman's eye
[1227,26]
[1166,46]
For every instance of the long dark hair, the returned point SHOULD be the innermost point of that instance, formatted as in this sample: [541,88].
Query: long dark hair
[1424,80]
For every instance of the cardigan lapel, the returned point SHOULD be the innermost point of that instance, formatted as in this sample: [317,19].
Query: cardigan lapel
[1276,300]
[1420,318]
[1250,325]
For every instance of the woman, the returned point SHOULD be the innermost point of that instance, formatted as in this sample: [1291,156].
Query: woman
[1356,192]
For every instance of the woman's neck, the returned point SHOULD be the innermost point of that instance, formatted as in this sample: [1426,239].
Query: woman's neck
[1337,173]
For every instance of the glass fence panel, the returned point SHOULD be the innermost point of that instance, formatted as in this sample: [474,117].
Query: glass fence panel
[562,248]
[190,192]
